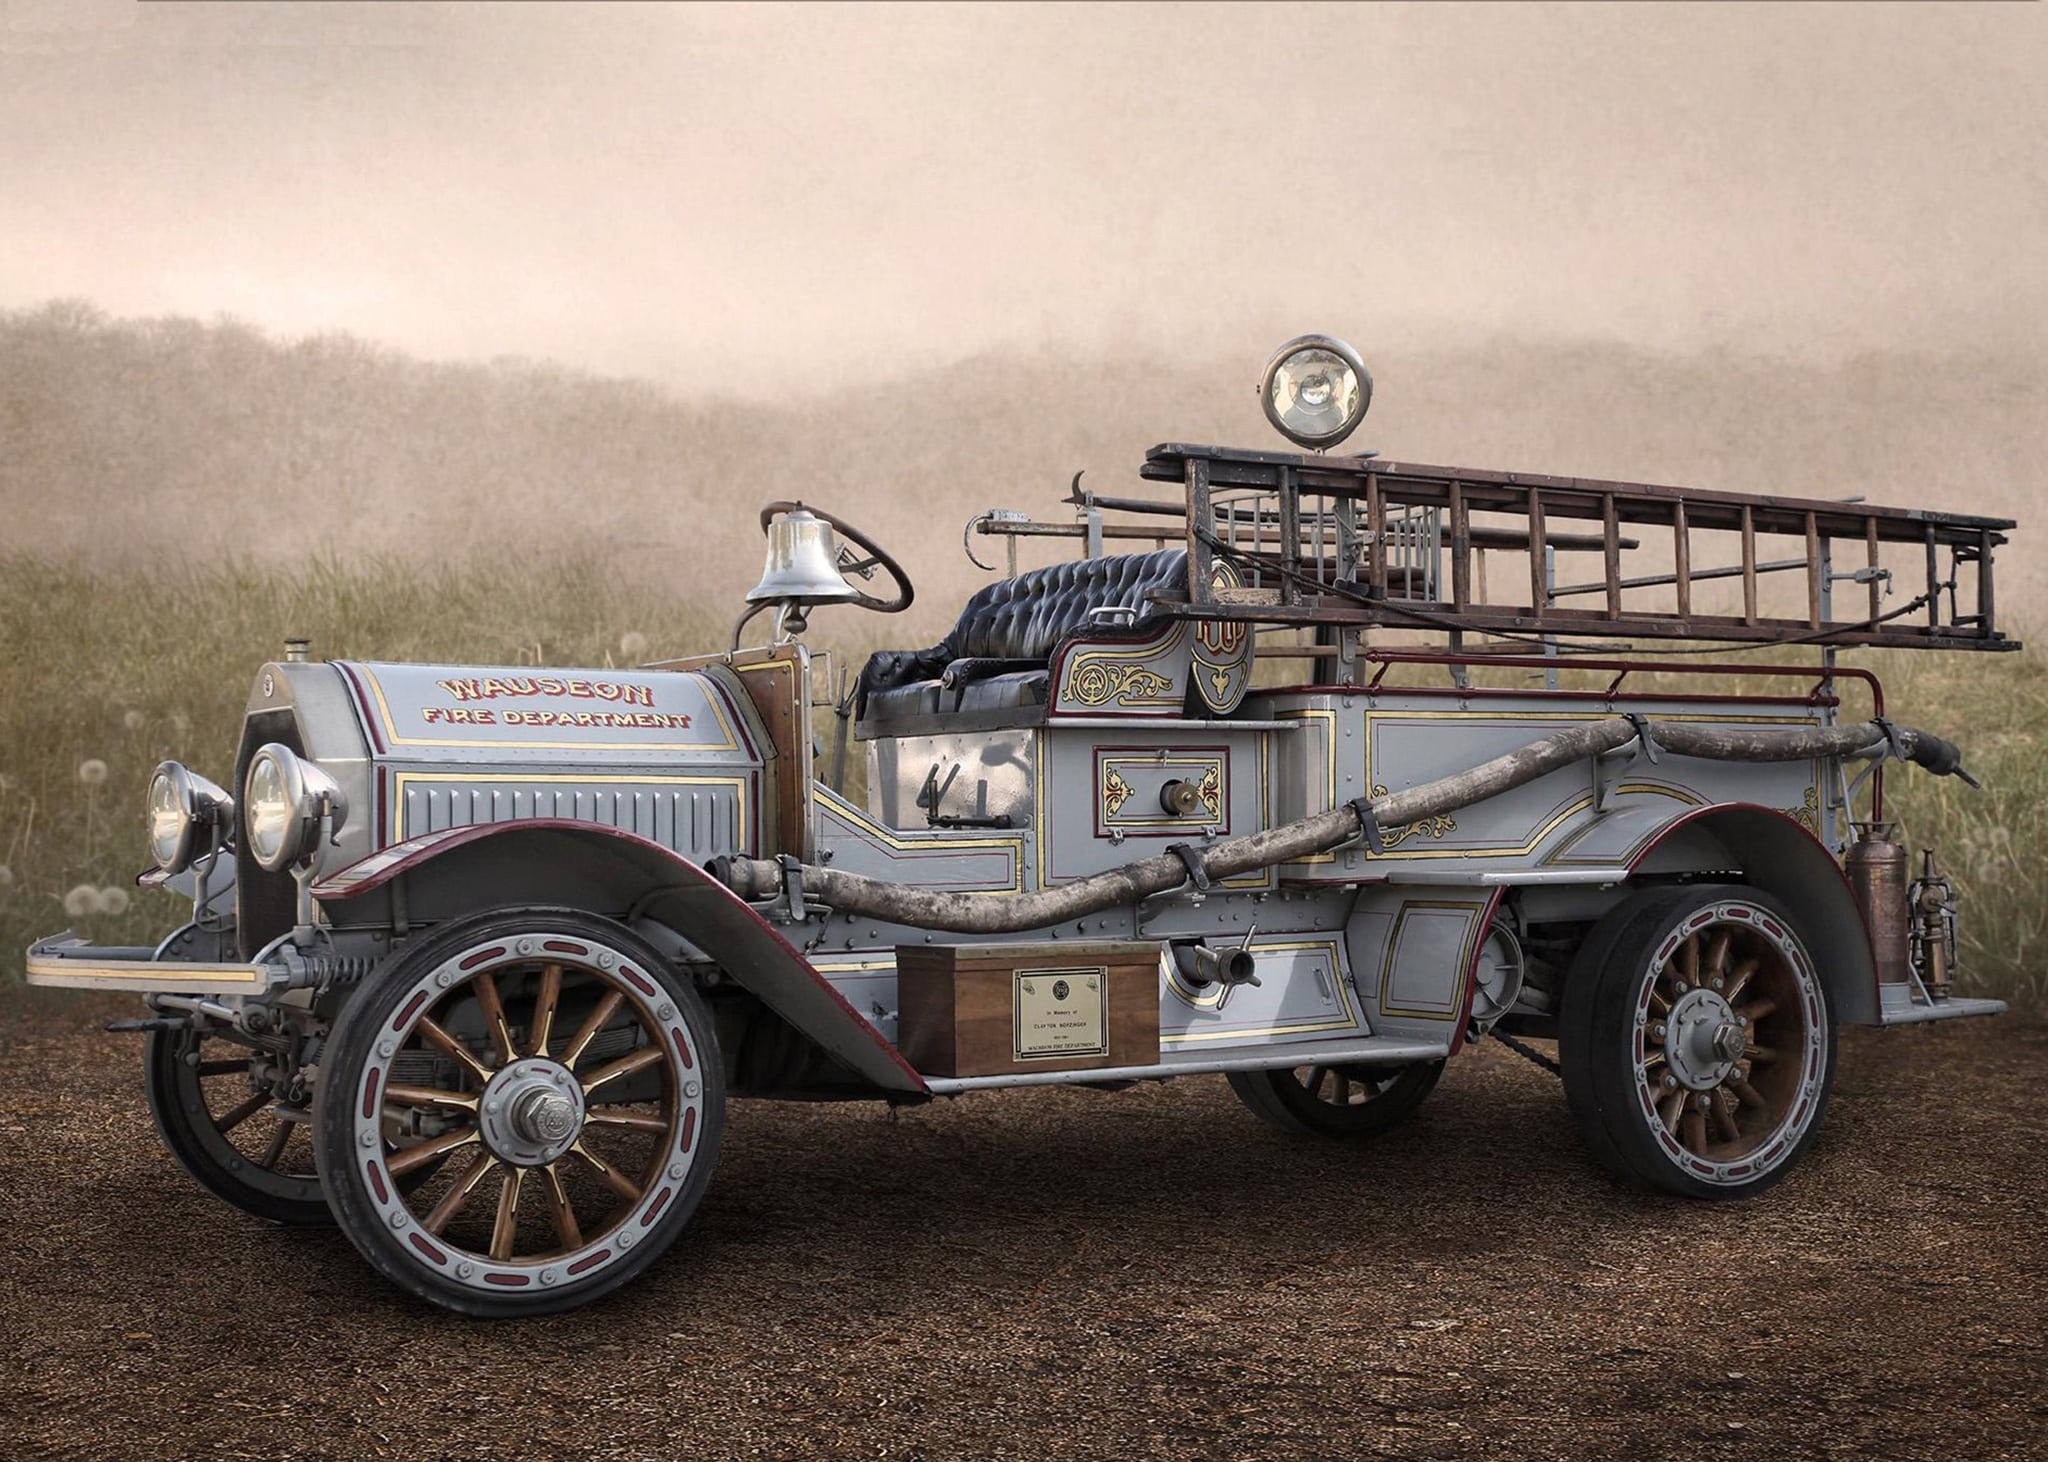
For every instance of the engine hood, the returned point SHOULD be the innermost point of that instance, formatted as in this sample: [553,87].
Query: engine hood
[458,714]
[678,758]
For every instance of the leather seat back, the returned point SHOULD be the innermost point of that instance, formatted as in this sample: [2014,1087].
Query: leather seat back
[1027,617]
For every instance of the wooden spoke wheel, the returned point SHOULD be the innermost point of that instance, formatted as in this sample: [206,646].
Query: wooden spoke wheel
[215,1109]
[564,1077]
[1697,1042]
[1337,1101]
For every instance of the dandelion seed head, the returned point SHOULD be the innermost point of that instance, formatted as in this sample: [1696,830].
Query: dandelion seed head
[133,720]
[632,644]
[82,901]
[113,900]
[92,771]
[6,876]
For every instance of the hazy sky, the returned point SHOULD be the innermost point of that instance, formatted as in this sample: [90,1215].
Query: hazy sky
[759,198]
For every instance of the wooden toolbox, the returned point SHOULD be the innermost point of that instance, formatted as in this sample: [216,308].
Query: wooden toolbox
[999,1009]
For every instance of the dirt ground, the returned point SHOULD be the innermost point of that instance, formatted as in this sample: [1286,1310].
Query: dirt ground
[1065,1274]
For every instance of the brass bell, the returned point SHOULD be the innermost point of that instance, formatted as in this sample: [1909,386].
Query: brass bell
[803,563]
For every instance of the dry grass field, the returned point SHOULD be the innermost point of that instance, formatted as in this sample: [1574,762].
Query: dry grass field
[109,674]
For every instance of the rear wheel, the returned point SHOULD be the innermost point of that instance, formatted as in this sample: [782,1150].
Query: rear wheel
[565,1075]
[1350,1102]
[1697,1042]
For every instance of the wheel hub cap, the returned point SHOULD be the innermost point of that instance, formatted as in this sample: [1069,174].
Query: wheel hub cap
[1704,1039]
[532,1112]
[543,1116]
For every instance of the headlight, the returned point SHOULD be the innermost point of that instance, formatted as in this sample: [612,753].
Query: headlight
[283,800]
[1315,390]
[180,803]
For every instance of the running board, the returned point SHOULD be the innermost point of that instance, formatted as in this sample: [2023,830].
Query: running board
[1903,1009]
[1366,1051]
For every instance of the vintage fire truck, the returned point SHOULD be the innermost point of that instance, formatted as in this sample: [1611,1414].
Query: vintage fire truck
[1295,792]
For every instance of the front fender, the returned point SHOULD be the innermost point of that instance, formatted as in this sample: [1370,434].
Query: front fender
[610,871]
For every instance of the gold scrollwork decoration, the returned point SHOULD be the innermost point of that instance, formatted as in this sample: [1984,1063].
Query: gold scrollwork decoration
[1095,683]
[1210,790]
[1807,814]
[1440,826]
[1115,791]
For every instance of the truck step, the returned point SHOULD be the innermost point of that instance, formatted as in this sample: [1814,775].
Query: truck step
[1354,1050]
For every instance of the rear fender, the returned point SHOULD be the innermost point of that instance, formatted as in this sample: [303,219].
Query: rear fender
[1779,856]
[447,874]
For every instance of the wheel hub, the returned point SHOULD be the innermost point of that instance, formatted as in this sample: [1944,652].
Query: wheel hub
[1704,1039]
[532,1112]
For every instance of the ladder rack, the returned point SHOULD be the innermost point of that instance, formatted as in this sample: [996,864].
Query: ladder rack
[1356,541]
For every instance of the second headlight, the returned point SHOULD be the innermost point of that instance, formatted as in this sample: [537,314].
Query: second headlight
[283,800]
[180,803]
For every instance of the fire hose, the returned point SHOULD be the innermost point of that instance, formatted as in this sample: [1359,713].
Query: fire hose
[986,913]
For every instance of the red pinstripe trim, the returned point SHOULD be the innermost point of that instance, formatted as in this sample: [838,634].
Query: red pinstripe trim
[365,707]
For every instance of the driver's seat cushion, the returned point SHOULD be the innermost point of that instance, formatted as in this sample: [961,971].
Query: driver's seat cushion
[1026,618]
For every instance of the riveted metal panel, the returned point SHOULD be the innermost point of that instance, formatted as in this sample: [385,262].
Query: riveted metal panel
[1097,797]
[1412,951]
[1304,991]
[1362,744]
[959,860]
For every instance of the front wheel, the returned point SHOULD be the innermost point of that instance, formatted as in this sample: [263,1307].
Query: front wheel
[215,1108]
[564,1076]
[1697,1042]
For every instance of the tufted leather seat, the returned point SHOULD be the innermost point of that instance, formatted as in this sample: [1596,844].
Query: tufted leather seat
[1015,623]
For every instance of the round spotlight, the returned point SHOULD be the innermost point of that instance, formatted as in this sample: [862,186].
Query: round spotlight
[1315,391]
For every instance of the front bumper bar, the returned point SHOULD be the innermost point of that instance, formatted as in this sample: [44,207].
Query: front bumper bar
[66,961]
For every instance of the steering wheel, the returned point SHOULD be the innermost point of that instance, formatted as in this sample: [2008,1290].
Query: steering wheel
[850,563]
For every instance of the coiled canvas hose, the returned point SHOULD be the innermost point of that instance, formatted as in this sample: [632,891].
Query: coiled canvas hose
[992,913]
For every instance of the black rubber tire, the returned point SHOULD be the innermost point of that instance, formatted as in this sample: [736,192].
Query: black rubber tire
[1596,1038]
[1278,1098]
[354,1037]
[177,1104]
[1574,1036]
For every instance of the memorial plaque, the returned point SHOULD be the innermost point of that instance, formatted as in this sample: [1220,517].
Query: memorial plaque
[1061,1013]
[999,1009]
